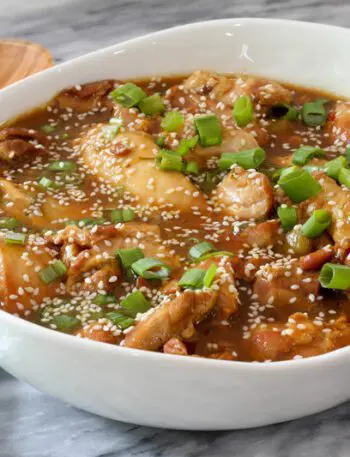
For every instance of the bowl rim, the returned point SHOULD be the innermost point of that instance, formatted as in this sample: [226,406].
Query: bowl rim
[68,340]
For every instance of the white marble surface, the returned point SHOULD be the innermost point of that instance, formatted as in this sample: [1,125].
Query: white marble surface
[35,425]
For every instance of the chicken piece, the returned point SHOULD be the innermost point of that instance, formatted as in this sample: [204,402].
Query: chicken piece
[244,194]
[17,141]
[19,204]
[175,347]
[170,319]
[334,199]
[97,331]
[339,127]
[132,119]
[285,284]
[268,342]
[262,235]
[17,263]
[90,254]
[86,97]
[316,259]
[137,171]
[300,336]
[227,89]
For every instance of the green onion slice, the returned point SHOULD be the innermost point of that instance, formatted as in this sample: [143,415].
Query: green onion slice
[209,130]
[135,303]
[250,158]
[48,128]
[302,155]
[288,216]
[128,95]
[152,105]
[104,299]
[347,154]
[333,167]
[210,275]
[120,320]
[243,110]
[122,215]
[169,161]
[298,184]
[334,276]
[67,166]
[52,272]
[186,144]
[172,121]
[65,323]
[15,238]
[129,256]
[317,223]
[192,279]
[314,113]
[8,223]
[146,268]
[200,249]
[284,111]
[344,177]
[215,254]
[192,167]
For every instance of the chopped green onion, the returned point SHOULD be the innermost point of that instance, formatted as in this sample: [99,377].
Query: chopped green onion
[298,184]
[312,168]
[209,130]
[284,111]
[288,217]
[152,105]
[314,113]
[48,128]
[186,144]
[135,303]
[210,275]
[192,167]
[215,254]
[8,223]
[198,250]
[128,256]
[192,279]
[250,158]
[67,166]
[53,272]
[144,268]
[172,121]
[160,140]
[47,183]
[243,110]
[65,135]
[110,131]
[15,238]
[104,299]
[169,161]
[334,276]
[65,323]
[347,154]
[209,180]
[128,95]
[344,177]
[317,223]
[302,155]
[120,320]
[333,167]
[122,215]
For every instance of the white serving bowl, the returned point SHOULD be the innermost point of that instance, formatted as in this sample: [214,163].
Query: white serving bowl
[173,391]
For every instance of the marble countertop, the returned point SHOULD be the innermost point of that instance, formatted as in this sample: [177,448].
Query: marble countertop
[35,425]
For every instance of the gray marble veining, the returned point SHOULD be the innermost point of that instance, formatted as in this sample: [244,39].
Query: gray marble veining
[35,425]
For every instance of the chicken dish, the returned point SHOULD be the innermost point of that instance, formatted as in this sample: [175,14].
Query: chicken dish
[205,215]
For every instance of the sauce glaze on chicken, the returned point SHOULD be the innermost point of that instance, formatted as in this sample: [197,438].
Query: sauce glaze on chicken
[123,219]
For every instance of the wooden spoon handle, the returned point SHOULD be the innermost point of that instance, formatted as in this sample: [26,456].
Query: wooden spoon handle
[19,59]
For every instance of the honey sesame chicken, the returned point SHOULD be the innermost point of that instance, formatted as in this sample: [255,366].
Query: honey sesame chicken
[204,216]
